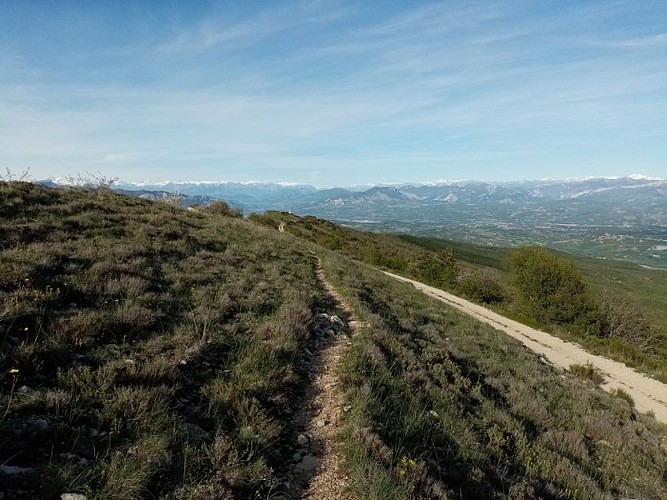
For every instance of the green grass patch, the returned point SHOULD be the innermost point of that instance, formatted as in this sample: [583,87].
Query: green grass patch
[587,372]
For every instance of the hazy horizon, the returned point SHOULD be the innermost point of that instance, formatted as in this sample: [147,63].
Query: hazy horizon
[80,179]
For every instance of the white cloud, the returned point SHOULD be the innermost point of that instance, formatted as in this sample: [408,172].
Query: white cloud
[219,31]
[431,84]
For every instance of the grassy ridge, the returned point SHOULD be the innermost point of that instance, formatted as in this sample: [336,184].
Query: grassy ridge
[495,257]
[146,351]
[152,352]
[445,407]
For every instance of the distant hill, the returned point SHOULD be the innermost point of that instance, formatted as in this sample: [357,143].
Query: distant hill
[299,197]
[622,218]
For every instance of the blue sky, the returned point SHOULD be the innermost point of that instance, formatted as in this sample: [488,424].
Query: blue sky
[332,92]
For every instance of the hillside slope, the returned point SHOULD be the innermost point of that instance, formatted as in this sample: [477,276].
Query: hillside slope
[147,351]
[629,302]
[649,395]
[153,352]
[446,407]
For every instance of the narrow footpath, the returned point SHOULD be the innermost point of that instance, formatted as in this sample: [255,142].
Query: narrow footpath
[649,394]
[317,471]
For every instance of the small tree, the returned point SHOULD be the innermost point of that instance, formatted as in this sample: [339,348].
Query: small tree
[552,289]
[438,269]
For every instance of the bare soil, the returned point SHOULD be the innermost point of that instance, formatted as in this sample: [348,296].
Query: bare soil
[316,471]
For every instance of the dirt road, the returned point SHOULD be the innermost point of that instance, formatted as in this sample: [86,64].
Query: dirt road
[648,394]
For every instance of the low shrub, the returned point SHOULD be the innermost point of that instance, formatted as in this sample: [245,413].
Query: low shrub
[587,372]
[621,394]
[483,285]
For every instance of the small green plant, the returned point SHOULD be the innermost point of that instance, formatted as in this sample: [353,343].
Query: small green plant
[587,372]
[124,477]
[621,394]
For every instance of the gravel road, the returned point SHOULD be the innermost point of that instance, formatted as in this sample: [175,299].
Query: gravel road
[648,394]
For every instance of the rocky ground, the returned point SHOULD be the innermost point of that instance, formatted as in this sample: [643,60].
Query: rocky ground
[316,471]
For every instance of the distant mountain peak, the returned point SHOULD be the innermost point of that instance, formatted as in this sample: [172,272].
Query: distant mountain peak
[640,177]
[304,198]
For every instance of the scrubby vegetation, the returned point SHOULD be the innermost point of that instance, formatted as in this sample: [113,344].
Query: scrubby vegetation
[552,290]
[587,372]
[153,352]
[147,351]
[444,407]
[533,285]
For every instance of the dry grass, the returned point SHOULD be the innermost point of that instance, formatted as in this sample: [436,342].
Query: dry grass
[445,407]
[160,352]
[158,346]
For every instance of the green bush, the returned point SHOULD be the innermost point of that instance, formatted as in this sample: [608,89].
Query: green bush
[439,269]
[483,285]
[621,394]
[553,290]
[221,207]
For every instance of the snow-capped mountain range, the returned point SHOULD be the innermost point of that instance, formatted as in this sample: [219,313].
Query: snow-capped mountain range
[615,217]
[259,196]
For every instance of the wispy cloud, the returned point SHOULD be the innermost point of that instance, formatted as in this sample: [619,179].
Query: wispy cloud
[657,40]
[326,89]
[219,31]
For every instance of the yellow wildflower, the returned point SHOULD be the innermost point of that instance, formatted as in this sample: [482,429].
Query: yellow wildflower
[14,371]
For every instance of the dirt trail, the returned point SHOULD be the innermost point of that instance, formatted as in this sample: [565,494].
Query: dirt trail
[317,473]
[648,394]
